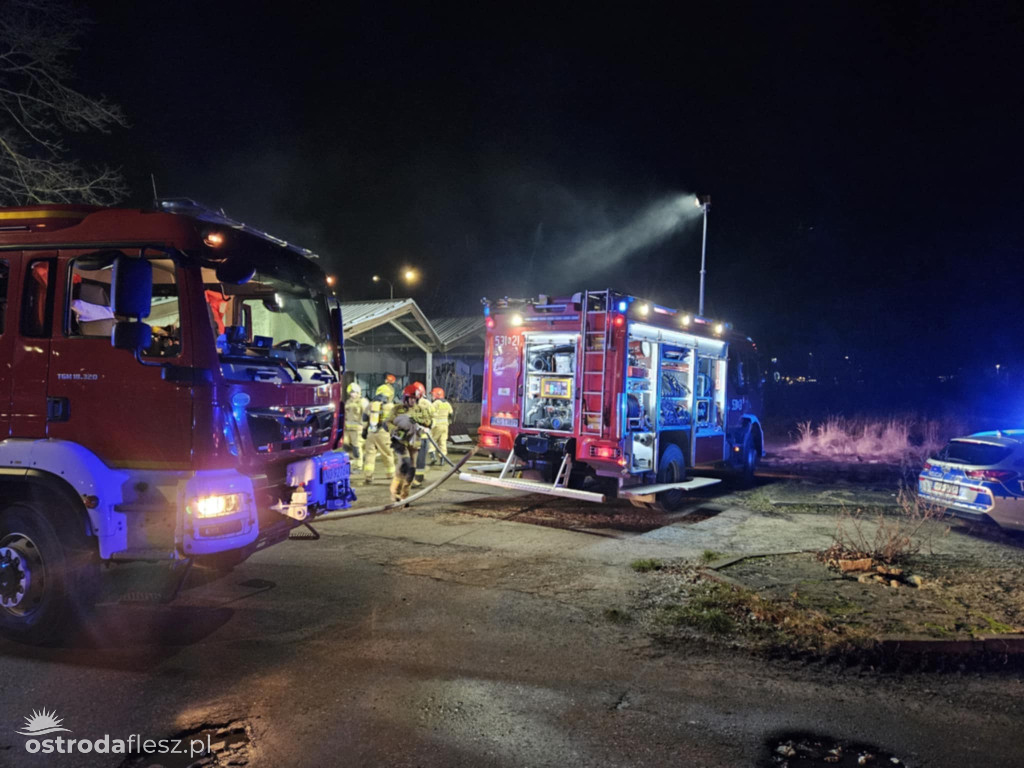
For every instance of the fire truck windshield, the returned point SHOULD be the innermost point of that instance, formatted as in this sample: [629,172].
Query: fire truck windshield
[270,329]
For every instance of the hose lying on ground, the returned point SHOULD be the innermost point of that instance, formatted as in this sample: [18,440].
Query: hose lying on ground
[398,504]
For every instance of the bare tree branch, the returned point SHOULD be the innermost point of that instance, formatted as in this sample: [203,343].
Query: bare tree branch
[38,107]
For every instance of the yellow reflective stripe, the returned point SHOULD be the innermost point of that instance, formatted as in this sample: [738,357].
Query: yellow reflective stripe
[44,214]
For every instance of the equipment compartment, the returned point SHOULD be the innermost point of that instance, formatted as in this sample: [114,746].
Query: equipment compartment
[550,382]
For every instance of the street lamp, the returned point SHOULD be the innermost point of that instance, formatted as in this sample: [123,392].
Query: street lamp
[409,274]
[705,205]
[378,278]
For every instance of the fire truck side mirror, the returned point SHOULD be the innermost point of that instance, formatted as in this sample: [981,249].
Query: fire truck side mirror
[235,272]
[135,336]
[131,298]
[337,330]
[131,287]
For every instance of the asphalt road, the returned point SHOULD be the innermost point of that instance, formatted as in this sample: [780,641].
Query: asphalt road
[437,637]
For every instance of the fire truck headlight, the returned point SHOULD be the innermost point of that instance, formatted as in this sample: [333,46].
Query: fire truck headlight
[216,506]
[517,319]
[644,309]
[685,320]
[719,328]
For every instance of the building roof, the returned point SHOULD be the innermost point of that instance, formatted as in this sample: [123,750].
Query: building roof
[394,323]
[458,331]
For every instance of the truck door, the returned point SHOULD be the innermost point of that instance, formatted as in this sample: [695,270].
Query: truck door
[6,350]
[125,412]
[31,353]
[709,409]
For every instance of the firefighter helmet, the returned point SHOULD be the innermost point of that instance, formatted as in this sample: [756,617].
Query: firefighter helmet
[389,378]
[437,393]
[421,390]
[412,390]
[386,390]
[355,389]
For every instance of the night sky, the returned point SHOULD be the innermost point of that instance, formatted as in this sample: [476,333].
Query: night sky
[864,160]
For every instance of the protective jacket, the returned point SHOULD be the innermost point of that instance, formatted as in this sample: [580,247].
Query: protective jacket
[441,410]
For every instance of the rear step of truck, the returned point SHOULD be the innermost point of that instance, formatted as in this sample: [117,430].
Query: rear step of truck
[642,493]
[647,493]
[559,488]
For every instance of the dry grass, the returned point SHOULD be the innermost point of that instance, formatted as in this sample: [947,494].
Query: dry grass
[903,440]
[766,623]
[886,537]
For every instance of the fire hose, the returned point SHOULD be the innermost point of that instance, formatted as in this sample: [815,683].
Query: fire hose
[404,502]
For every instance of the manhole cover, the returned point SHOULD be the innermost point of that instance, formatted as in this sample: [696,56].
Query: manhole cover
[210,745]
[811,751]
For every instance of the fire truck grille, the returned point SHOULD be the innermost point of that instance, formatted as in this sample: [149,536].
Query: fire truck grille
[288,428]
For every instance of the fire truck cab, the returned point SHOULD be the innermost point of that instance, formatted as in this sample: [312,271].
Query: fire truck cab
[601,384]
[169,391]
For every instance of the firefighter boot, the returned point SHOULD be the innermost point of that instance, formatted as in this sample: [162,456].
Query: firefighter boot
[396,488]
[418,481]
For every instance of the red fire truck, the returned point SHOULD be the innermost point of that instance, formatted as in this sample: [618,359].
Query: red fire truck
[169,391]
[605,385]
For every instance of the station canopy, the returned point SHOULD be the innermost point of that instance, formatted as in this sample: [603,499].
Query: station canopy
[401,324]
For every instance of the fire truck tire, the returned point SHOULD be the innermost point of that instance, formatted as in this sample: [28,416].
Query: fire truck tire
[671,469]
[49,576]
[751,455]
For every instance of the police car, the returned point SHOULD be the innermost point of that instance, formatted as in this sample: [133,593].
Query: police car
[979,477]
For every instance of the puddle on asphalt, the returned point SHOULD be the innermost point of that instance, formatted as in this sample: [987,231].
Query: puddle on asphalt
[210,745]
[803,750]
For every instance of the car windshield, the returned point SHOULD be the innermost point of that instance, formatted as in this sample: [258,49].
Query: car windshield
[969,452]
[270,329]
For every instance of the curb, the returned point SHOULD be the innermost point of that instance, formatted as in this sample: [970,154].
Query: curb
[999,644]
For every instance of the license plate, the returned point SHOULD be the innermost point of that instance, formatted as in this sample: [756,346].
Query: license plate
[334,473]
[946,489]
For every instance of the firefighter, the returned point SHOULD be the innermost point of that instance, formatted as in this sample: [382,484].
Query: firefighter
[441,413]
[423,403]
[408,421]
[376,432]
[355,406]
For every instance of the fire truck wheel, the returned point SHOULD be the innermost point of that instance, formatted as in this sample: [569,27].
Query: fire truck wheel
[48,576]
[671,469]
[751,456]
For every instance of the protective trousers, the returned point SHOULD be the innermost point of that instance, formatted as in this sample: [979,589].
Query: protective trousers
[439,434]
[354,443]
[378,442]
